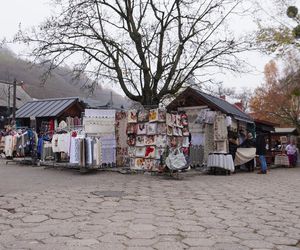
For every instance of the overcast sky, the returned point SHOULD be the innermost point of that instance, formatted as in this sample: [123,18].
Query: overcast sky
[32,12]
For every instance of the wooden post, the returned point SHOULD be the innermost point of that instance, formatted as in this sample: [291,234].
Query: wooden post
[14,102]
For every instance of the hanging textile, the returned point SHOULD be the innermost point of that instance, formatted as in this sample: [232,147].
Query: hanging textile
[244,155]
[97,155]
[82,153]
[8,148]
[209,141]
[77,121]
[55,147]
[74,150]
[2,144]
[196,155]
[19,145]
[62,125]
[108,149]
[64,143]
[47,153]
[89,151]
[220,128]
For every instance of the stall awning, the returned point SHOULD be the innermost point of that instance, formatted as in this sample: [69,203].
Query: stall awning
[46,107]
[213,102]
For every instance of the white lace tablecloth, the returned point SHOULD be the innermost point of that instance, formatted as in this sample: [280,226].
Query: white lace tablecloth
[244,155]
[220,160]
[281,160]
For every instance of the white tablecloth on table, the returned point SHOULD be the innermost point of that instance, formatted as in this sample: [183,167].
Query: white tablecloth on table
[221,161]
[243,155]
[281,160]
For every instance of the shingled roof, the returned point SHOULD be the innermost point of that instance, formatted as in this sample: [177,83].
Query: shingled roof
[45,107]
[215,103]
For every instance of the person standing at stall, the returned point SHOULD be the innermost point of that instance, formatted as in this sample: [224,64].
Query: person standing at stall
[261,152]
[249,142]
[291,151]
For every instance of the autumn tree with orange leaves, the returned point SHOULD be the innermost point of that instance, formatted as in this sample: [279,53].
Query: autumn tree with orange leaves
[278,99]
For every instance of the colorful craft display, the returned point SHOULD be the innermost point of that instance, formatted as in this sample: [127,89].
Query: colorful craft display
[151,133]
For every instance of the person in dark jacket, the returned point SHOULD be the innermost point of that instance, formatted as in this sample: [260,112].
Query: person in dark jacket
[233,143]
[261,152]
[249,142]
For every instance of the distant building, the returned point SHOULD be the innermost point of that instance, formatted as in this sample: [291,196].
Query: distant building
[6,100]
[42,113]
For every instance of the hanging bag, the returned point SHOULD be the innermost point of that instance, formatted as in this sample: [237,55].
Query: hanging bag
[176,160]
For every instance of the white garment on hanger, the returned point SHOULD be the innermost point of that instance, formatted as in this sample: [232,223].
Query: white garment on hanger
[88,151]
[8,145]
[55,143]
[62,124]
[228,121]
[64,142]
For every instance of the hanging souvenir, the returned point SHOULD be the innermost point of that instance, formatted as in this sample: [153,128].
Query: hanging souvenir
[177,131]
[169,119]
[172,141]
[139,163]
[120,115]
[143,116]
[150,152]
[131,128]
[184,119]
[140,151]
[132,116]
[151,128]
[153,115]
[185,131]
[157,165]
[159,152]
[169,130]
[132,163]
[141,128]
[178,121]
[140,141]
[179,141]
[131,151]
[161,141]
[150,140]
[185,142]
[131,140]
[174,120]
[149,164]
[161,128]
[161,115]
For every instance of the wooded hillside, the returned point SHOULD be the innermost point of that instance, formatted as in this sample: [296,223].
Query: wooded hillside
[60,84]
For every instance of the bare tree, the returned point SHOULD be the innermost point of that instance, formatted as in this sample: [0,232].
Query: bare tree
[151,48]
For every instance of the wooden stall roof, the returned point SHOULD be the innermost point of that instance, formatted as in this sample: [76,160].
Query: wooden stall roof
[193,97]
[47,107]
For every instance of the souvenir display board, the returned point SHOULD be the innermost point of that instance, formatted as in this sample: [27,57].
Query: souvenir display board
[150,133]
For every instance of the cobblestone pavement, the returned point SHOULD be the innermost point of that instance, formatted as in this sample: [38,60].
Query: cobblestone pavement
[53,209]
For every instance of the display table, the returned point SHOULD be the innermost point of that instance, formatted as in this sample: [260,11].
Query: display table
[220,160]
[244,155]
[281,160]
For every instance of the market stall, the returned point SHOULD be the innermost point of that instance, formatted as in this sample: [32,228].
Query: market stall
[213,123]
[154,135]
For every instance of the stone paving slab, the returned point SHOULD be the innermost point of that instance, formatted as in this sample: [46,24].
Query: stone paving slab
[51,209]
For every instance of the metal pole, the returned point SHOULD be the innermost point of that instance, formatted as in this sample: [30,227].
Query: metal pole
[111,99]
[14,101]
[8,101]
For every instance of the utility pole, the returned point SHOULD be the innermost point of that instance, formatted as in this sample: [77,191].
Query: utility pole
[14,102]
[111,99]
[8,101]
